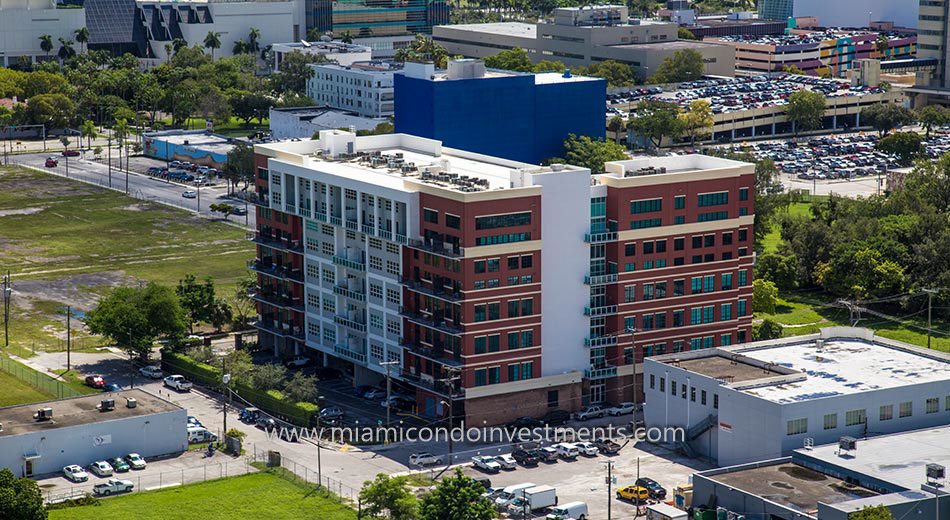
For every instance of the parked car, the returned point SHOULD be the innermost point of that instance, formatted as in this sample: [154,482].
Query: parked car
[112,486]
[577,510]
[71,153]
[189,194]
[567,450]
[399,403]
[178,382]
[193,422]
[656,491]
[588,449]
[298,361]
[331,412]
[621,409]
[360,391]
[636,494]
[591,412]
[606,446]
[249,415]
[95,381]
[524,423]
[135,460]
[111,387]
[486,463]
[374,394]
[239,210]
[175,164]
[506,461]
[51,162]
[425,459]
[101,468]
[151,372]
[549,454]
[527,457]
[75,473]
[119,465]
[197,434]
[556,417]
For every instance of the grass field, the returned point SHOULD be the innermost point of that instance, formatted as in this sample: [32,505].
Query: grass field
[259,495]
[67,242]
[17,392]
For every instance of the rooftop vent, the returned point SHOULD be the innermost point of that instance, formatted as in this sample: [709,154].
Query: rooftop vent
[106,404]
[130,402]
[43,414]
[936,472]
[847,444]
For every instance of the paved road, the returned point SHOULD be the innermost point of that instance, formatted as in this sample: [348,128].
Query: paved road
[139,185]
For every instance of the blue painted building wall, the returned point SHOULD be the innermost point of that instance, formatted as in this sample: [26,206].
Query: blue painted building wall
[509,116]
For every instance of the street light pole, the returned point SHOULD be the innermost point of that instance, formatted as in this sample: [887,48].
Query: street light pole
[389,403]
[109,159]
[610,489]
[7,290]
[930,293]
[68,336]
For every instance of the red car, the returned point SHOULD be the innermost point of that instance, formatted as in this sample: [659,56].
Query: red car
[51,163]
[70,153]
[95,381]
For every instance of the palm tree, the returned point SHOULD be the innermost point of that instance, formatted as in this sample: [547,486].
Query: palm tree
[346,37]
[88,130]
[168,52]
[66,50]
[253,38]
[46,43]
[178,44]
[82,37]
[239,47]
[313,34]
[120,131]
[213,41]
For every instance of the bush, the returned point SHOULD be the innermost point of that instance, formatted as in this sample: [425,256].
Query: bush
[234,432]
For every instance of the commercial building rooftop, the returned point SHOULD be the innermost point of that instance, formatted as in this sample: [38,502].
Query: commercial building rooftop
[898,459]
[671,165]
[675,45]
[790,485]
[732,369]
[523,30]
[198,139]
[801,38]
[17,420]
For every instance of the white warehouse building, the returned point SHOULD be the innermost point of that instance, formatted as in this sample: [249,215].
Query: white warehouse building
[762,400]
[365,88]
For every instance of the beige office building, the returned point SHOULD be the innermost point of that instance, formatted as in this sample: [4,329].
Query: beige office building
[932,34]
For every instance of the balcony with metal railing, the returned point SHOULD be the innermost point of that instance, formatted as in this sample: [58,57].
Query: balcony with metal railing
[441,293]
[603,372]
[259,200]
[349,293]
[433,322]
[293,246]
[599,238]
[600,311]
[434,353]
[285,329]
[284,301]
[438,248]
[349,263]
[346,352]
[602,279]
[602,341]
[349,323]
[279,271]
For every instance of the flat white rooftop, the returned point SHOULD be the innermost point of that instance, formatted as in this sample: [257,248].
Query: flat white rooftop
[844,367]
[523,30]
[640,166]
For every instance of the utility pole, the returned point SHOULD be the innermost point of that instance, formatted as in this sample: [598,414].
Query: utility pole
[610,487]
[7,290]
[930,294]
[638,480]
[226,379]
[69,336]
[389,402]
[131,365]
[449,380]
[109,160]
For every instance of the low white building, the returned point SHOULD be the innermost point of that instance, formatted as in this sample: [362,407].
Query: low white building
[81,432]
[303,122]
[365,88]
[341,53]
[22,22]
[762,400]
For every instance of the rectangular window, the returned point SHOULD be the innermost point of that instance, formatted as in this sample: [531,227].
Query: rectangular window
[855,417]
[709,283]
[678,287]
[662,384]
[509,238]
[679,220]
[679,244]
[647,322]
[648,291]
[797,426]
[647,223]
[646,206]
[481,344]
[831,421]
[692,394]
[527,261]
[696,285]
[453,221]
[679,202]
[713,216]
[743,235]
[933,405]
[512,308]
[480,312]
[713,199]
[725,340]
[494,264]
[906,409]
[494,311]
[648,248]
[716,401]
[678,318]
[726,282]
[887,412]
[709,240]
[697,241]
[660,290]
[500,221]
[480,377]
[494,343]
[652,381]
[661,246]
[696,316]
[527,338]
[513,340]
[494,375]
[430,215]
[725,312]
[727,239]
[479,266]
[740,309]
[743,278]
[630,249]
[513,262]
[629,293]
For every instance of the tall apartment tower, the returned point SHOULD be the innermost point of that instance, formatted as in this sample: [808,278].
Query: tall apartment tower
[501,289]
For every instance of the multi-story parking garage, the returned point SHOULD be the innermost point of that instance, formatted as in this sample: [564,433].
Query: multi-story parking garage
[393,248]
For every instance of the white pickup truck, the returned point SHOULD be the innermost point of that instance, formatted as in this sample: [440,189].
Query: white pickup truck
[112,486]
[178,383]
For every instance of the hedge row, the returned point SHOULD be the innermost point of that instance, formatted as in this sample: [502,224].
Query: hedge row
[271,401]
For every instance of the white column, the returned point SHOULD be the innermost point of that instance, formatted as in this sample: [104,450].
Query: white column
[376,203]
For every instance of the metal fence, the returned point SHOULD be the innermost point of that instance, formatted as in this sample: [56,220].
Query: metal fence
[37,379]
[307,474]
[146,481]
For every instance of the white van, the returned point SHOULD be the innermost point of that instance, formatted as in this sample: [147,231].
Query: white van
[567,450]
[575,510]
[200,434]
[510,493]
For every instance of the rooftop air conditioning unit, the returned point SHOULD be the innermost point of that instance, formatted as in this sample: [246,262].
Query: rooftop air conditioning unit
[936,472]
[106,404]
[43,414]
[847,444]
[130,402]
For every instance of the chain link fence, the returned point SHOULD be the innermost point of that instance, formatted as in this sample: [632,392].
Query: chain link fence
[306,474]
[37,379]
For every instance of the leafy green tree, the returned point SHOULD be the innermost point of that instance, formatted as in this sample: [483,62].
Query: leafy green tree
[134,317]
[197,298]
[223,209]
[792,69]
[179,44]
[616,125]
[42,82]
[388,497]
[46,44]
[457,497]
[239,165]
[617,74]
[346,37]
[253,40]
[295,71]
[52,110]
[82,37]
[764,296]
[549,66]
[905,145]
[884,117]
[515,59]
[929,181]
[932,116]
[589,153]
[250,105]
[20,498]
[269,376]
[872,513]
[212,41]
[882,44]
[242,304]
[685,34]
[860,272]
[768,329]
[780,269]
[66,50]
[683,65]
[88,130]
[805,110]
[301,388]
[656,120]
[697,120]
[423,49]
[239,364]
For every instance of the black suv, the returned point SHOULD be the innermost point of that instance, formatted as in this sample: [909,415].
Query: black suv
[556,417]
[524,423]
[653,487]
[526,457]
